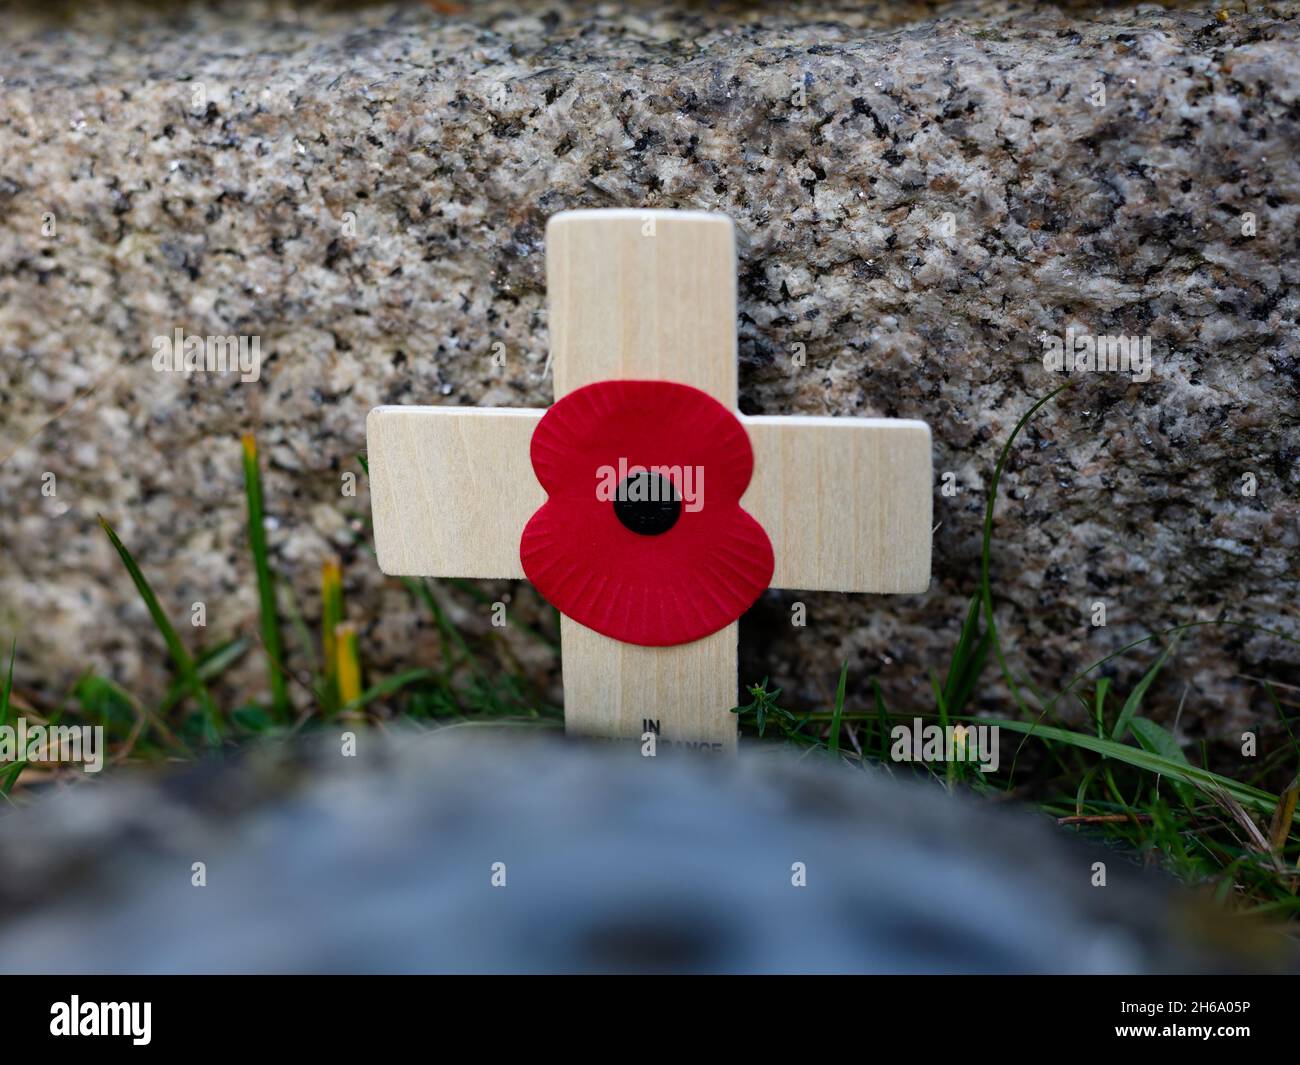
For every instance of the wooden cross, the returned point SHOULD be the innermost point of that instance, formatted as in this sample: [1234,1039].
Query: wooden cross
[651,295]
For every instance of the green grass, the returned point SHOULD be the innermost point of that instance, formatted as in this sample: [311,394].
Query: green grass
[10,774]
[265,580]
[474,678]
[192,684]
[1122,777]
[1232,836]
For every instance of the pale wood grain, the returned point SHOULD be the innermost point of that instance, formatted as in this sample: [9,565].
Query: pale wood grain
[612,688]
[626,304]
[846,502]
[451,489]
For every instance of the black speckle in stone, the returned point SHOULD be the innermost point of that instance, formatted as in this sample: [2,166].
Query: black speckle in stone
[648,504]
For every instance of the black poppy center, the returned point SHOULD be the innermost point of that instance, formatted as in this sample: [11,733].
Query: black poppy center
[647,503]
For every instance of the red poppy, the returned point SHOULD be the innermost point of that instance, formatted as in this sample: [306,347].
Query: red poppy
[642,537]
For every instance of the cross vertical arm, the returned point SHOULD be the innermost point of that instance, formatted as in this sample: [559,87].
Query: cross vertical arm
[645,295]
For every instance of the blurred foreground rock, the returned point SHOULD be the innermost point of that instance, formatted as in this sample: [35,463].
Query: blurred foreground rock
[612,863]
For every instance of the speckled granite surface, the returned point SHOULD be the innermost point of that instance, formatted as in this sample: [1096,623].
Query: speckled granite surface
[366,189]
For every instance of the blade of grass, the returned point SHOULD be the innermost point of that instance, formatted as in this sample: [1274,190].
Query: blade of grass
[950,765]
[1281,715]
[448,634]
[1134,699]
[265,579]
[10,776]
[152,718]
[349,663]
[306,642]
[1158,740]
[181,657]
[1280,828]
[331,595]
[1082,791]
[11,773]
[1117,795]
[1103,686]
[419,589]
[9,684]
[968,659]
[1137,757]
[209,666]
[1172,631]
[838,713]
[1162,634]
[986,589]
[388,686]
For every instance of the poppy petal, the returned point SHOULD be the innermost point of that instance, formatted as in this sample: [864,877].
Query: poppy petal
[692,570]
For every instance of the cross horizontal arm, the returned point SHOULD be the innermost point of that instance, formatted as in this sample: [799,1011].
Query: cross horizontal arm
[846,502]
[451,489]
